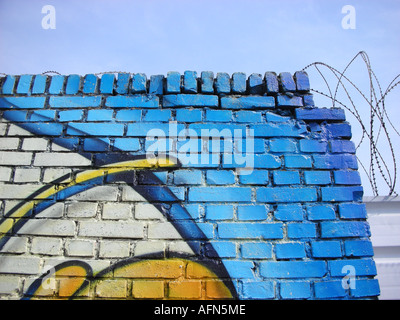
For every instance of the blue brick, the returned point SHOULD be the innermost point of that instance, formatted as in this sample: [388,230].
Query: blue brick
[317,177]
[128,115]
[176,209]
[157,115]
[293,269]
[248,102]
[222,83]
[95,129]
[8,85]
[90,83]
[56,84]
[239,269]
[289,212]
[342,194]
[158,194]
[223,249]
[313,146]
[338,130]
[217,130]
[127,144]
[190,100]
[255,212]
[282,145]
[347,177]
[190,82]
[248,116]
[220,194]
[298,161]
[244,230]
[326,249]
[43,115]
[289,101]
[279,130]
[352,211]
[320,212]
[365,288]
[286,194]
[266,161]
[272,117]
[329,289]
[70,115]
[152,129]
[216,145]
[256,250]
[158,145]
[343,229]
[257,177]
[123,83]
[363,267]
[185,115]
[15,115]
[238,82]
[207,82]
[220,177]
[218,115]
[337,161]
[139,83]
[286,82]
[187,177]
[73,83]
[39,84]
[173,82]
[342,146]
[96,144]
[286,177]
[136,101]
[358,248]
[271,81]
[255,84]
[302,81]
[301,230]
[75,102]
[107,83]
[192,230]
[308,100]
[22,102]
[293,250]
[219,212]
[258,290]
[24,84]
[44,128]
[100,115]
[295,290]
[248,146]
[156,84]
[322,114]
[199,160]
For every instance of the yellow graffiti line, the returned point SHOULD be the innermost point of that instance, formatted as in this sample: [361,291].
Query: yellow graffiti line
[82,177]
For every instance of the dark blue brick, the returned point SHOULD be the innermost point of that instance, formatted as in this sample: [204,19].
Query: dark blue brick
[96,144]
[127,144]
[222,83]
[320,114]
[156,84]
[302,81]
[298,161]
[73,84]
[220,194]
[176,209]
[255,84]
[220,177]
[90,83]
[238,82]
[8,85]
[247,102]
[295,290]
[293,269]
[338,130]
[100,115]
[282,145]
[257,177]
[340,229]
[39,84]
[347,177]
[326,249]
[289,212]
[136,101]
[246,230]
[341,193]
[301,230]
[271,82]
[335,161]
[24,84]
[289,101]
[107,83]
[95,129]
[186,115]
[256,250]
[70,115]
[15,115]
[128,115]
[329,289]
[286,177]
[187,177]
[74,102]
[358,248]
[123,83]
[286,82]
[342,146]
[321,212]
[224,249]
[254,212]
[293,250]
[207,82]
[365,288]
[363,267]
[313,146]
[139,83]
[286,194]
[258,290]
[308,100]
[317,177]
[352,211]
[248,116]
[43,115]
[219,212]
[190,82]
[157,115]
[56,84]
[173,82]
[190,100]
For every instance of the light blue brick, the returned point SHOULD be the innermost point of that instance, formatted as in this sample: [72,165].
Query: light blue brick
[219,212]
[334,194]
[282,145]
[238,82]
[107,83]
[239,269]
[321,212]
[56,84]
[69,102]
[347,177]
[248,213]
[335,161]
[135,101]
[286,177]
[248,116]
[286,194]
[187,177]
[96,144]
[317,177]
[293,269]
[291,250]
[301,230]
[190,100]
[257,177]
[218,115]
[222,83]
[313,146]
[44,128]
[255,84]
[298,161]
[95,129]
[256,250]
[289,212]
[8,85]
[352,211]
[217,130]
[90,83]
[127,144]
[100,115]
[329,289]
[271,82]
[24,84]
[157,115]
[156,84]
[247,102]
[244,146]
[70,115]
[176,210]
[272,117]
[223,249]
[173,82]
[281,129]
[139,83]
[39,84]
[333,229]
[207,82]
[128,115]
[358,248]
[326,249]
[295,290]
[158,145]
[220,194]
[187,115]
[247,230]
[220,177]
[258,290]
[153,129]
[190,82]
[22,102]
[363,267]
[73,84]
[342,146]
[43,115]
[286,82]
[123,83]
[365,288]
[266,161]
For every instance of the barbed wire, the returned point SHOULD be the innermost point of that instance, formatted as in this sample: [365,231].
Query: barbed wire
[374,130]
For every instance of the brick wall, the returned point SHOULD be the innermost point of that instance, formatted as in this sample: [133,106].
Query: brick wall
[178,187]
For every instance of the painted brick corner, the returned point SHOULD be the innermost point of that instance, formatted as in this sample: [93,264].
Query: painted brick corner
[184,186]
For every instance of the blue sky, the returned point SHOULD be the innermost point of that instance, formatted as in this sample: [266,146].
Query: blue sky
[157,36]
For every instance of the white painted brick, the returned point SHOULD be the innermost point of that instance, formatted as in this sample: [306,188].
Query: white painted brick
[128,194]
[164,230]
[96,265]
[52,174]
[5,174]
[180,246]
[67,159]
[9,143]
[114,249]
[27,175]
[111,229]
[150,248]
[34,144]
[15,158]
[100,193]
[117,211]
[14,130]
[15,245]
[46,246]
[54,211]
[3,128]
[19,264]
[81,209]
[19,191]
[147,211]
[80,248]
[9,284]
[48,227]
